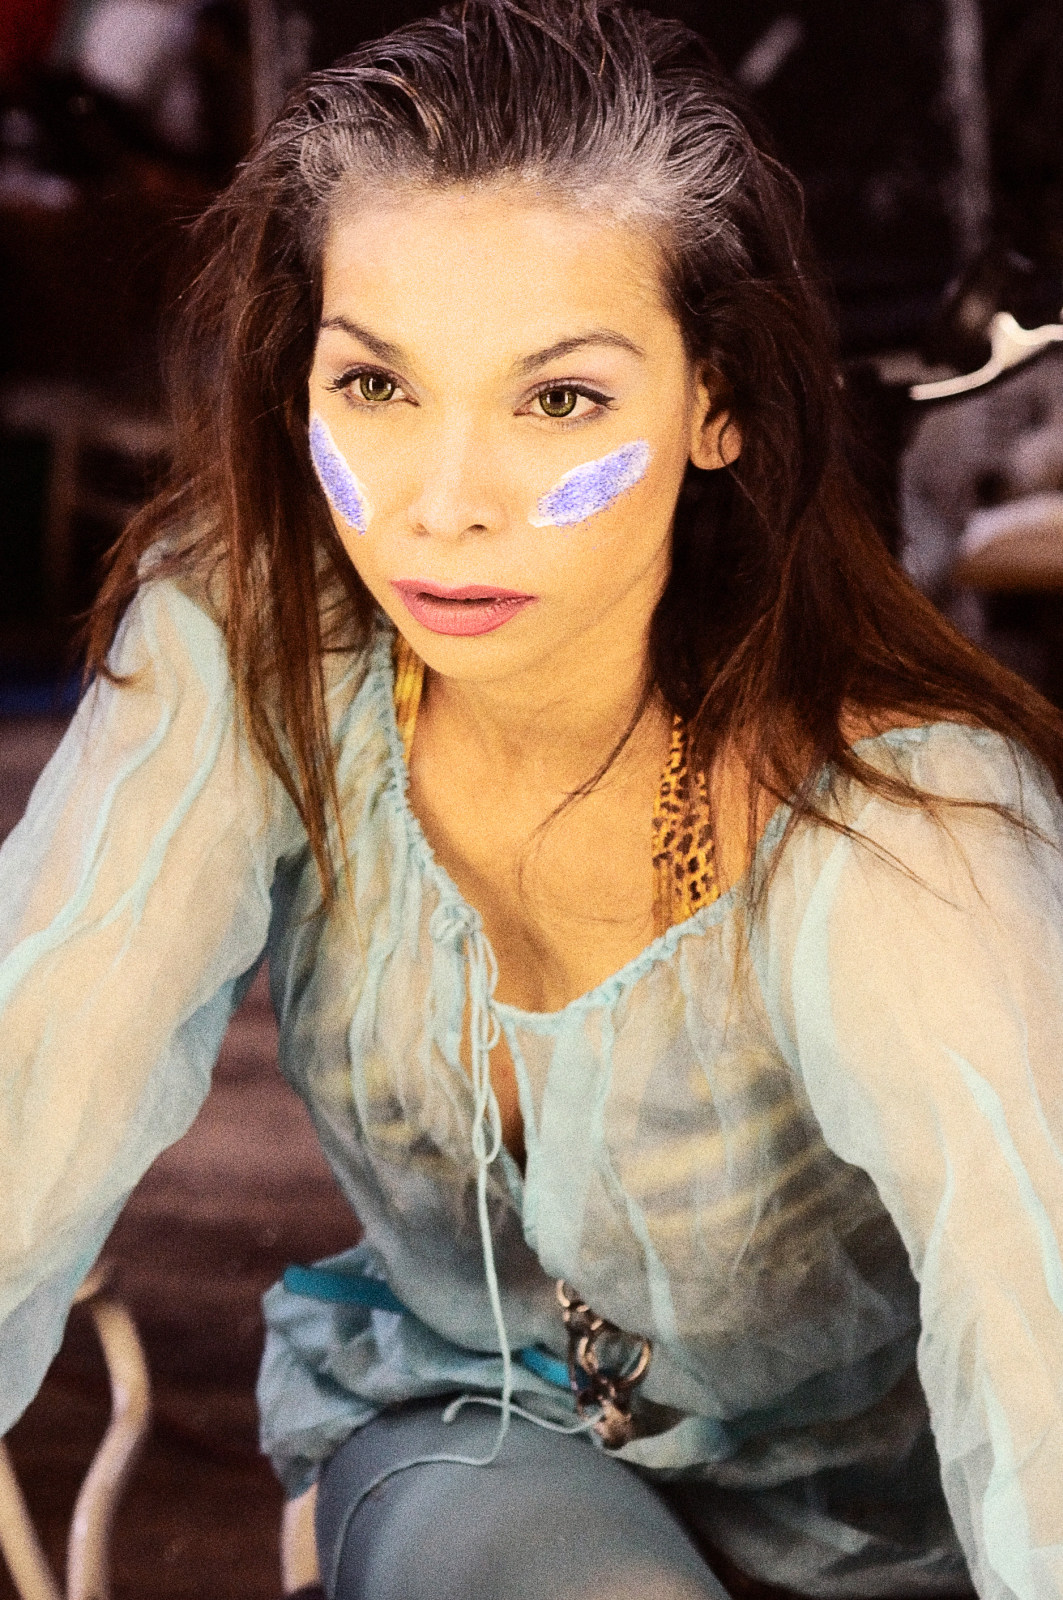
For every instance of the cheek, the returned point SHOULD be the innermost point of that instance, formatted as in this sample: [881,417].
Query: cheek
[343,490]
[592,487]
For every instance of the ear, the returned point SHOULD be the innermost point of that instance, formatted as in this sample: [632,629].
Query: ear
[715,440]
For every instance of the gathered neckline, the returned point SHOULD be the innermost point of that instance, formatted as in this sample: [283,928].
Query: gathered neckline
[381,678]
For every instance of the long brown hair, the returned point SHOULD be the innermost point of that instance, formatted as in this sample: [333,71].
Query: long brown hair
[784,617]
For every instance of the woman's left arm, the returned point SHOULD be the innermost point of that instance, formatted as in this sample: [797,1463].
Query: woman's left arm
[926,1007]
[135,904]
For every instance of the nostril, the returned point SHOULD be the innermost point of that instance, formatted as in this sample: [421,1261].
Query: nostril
[990,488]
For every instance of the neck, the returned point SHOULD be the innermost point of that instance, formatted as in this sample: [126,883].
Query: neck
[560,722]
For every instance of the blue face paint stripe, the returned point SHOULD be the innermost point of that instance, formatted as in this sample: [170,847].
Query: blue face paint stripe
[592,487]
[345,494]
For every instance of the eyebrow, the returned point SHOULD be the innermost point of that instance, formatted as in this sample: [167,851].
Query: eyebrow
[354,330]
[564,347]
[393,354]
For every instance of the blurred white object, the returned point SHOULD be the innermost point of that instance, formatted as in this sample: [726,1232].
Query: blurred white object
[1010,345]
[25,1559]
[140,51]
[766,59]
[88,1551]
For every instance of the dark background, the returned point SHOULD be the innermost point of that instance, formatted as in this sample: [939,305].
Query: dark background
[97,188]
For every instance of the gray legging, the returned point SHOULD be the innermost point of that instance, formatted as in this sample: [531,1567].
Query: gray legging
[553,1518]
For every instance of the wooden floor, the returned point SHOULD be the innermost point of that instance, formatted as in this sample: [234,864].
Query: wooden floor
[208,1229]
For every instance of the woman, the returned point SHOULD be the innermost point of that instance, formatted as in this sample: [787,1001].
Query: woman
[662,905]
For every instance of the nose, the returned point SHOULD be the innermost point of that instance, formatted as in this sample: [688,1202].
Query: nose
[458,493]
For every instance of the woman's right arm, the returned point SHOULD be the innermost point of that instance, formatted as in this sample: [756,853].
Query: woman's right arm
[922,1005]
[134,904]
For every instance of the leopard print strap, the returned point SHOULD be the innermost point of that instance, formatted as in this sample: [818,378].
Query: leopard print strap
[409,682]
[683,864]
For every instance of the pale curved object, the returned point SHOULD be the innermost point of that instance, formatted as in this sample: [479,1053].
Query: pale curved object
[88,1552]
[19,1543]
[299,1564]
[1010,345]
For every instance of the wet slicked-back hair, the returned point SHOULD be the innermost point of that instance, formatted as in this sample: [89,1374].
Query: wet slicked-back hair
[784,622]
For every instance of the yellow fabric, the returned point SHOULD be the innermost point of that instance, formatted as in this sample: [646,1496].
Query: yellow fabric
[683,861]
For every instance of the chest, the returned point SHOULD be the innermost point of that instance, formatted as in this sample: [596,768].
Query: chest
[656,1120]
[565,891]
[571,882]
[566,899]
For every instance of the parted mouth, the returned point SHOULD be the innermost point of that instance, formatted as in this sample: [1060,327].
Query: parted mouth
[467,611]
[467,591]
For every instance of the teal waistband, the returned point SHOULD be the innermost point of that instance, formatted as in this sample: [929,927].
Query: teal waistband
[340,1288]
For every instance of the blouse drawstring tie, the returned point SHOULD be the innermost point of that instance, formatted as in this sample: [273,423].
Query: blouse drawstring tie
[461,925]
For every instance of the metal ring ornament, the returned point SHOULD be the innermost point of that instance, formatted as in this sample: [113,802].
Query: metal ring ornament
[592,1385]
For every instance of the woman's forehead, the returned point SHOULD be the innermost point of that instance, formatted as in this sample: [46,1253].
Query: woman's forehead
[502,265]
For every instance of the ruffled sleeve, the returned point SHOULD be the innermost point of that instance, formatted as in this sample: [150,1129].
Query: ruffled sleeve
[134,906]
[922,1005]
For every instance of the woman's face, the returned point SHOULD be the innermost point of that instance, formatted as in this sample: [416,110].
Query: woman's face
[501,403]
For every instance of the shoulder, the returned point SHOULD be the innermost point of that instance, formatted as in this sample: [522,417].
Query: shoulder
[926,754]
[857,724]
[177,623]
[168,634]
[957,761]
[883,883]
[903,775]
[974,824]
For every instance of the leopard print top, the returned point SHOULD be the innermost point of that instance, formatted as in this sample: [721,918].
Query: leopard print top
[684,867]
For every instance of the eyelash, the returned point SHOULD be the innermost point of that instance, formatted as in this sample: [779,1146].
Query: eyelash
[344,383]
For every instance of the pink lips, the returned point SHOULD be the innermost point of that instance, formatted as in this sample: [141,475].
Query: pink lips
[463,612]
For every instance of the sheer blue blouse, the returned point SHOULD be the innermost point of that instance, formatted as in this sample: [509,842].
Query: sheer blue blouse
[817,1158]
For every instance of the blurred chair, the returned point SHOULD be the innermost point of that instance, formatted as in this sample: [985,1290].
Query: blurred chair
[103,459]
[300,1574]
[88,1549]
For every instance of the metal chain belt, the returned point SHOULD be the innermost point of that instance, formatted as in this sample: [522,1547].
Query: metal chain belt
[609,1388]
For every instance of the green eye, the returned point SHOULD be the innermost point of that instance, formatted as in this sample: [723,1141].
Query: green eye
[373,386]
[558,402]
